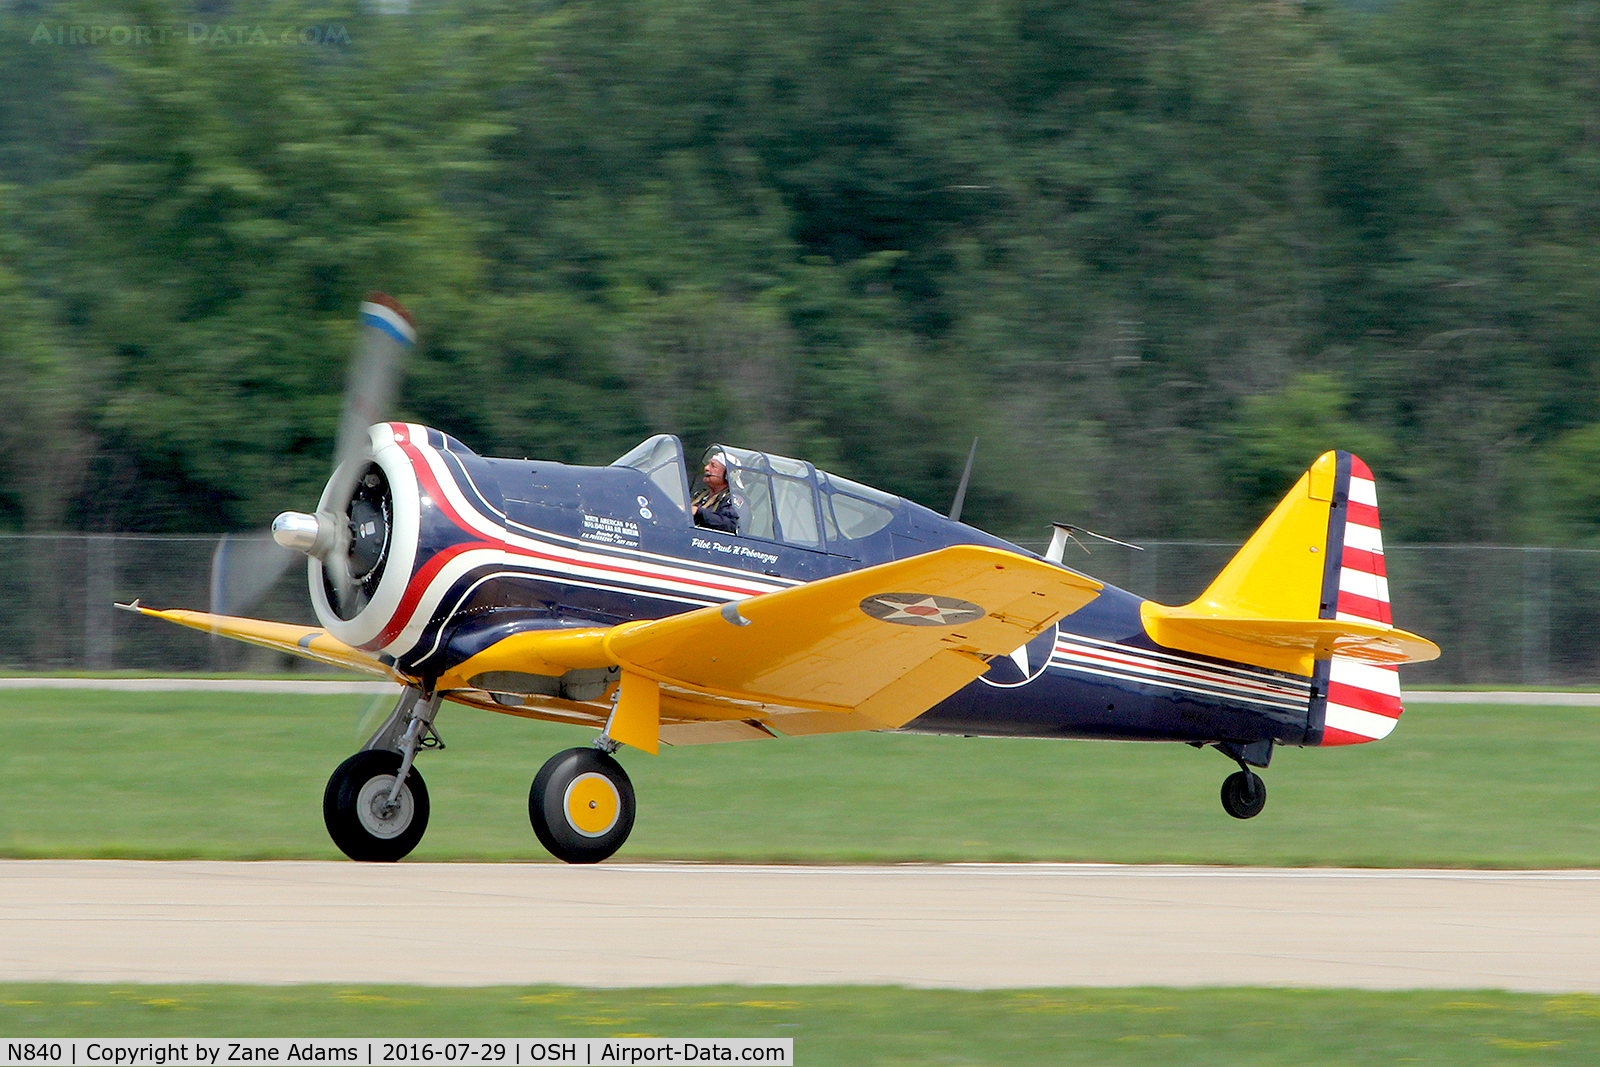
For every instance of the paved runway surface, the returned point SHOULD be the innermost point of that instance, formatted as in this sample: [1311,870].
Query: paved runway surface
[969,926]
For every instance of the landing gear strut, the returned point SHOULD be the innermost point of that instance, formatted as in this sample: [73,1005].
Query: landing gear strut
[1244,794]
[376,803]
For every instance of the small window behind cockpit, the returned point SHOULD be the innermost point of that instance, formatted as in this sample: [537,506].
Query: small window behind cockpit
[795,495]
[856,510]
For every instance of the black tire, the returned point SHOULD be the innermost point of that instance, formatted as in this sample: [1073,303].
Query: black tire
[581,805]
[1244,794]
[352,803]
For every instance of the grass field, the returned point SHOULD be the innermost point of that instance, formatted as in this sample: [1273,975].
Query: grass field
[869,1025]
[236,776]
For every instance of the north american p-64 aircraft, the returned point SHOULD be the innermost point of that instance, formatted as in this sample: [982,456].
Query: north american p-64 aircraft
[588,595]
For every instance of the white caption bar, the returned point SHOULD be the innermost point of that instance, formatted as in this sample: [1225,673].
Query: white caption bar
[395,1052]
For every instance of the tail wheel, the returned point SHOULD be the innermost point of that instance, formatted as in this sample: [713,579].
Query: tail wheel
[1244,794]
[358,814]
[581,805]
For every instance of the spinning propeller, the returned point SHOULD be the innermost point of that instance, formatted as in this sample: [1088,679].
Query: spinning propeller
[243,568]
[349,533]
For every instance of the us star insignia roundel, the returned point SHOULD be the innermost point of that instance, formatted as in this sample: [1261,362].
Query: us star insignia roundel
[1023,665]
[920,609]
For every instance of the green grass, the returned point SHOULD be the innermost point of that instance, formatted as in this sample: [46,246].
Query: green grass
[232,776]
[237,776]
[871,1025]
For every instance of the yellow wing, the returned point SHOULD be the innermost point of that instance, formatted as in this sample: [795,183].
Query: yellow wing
[868,650]
[871,649]
[308,642]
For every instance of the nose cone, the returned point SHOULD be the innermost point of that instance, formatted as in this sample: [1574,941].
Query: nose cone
[303,533]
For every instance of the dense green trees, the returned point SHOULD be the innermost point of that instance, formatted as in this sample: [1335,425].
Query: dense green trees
[1156,255]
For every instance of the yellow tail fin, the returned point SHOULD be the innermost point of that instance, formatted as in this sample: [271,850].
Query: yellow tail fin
[1308,585]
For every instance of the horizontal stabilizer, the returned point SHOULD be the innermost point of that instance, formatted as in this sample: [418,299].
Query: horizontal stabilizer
[307,642]
[1289,640]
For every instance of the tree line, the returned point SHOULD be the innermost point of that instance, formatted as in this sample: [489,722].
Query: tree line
[1156,255]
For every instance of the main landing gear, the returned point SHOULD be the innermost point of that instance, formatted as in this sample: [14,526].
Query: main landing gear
[376,803]
[1244,794]
[367,817]
[581,804]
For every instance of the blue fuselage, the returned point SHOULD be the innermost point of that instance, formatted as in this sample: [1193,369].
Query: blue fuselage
[604,545]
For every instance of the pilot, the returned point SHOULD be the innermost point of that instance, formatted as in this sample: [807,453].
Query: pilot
[713,505]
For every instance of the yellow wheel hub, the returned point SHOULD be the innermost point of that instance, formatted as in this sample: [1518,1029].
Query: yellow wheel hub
[593,804]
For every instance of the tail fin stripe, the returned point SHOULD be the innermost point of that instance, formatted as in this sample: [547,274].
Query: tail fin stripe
[1362,608]
[1364,584]
[1362,725]
[1363,702]
[1370,676]
[1363,489]
[1360,559]
[1366,538]
[1363,514]
[1332,735]
[1357,699]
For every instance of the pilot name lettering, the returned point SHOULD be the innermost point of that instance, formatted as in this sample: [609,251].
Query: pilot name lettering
[743,551]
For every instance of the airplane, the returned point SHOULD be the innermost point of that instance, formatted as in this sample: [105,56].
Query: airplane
[588,595]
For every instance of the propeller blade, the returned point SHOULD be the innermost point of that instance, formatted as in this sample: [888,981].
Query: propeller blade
[243,569]
[373,378]
[373,381]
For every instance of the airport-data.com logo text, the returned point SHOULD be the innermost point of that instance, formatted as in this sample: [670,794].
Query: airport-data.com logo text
[197,34]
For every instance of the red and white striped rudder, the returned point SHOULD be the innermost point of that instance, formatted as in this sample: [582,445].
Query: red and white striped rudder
[1363,699]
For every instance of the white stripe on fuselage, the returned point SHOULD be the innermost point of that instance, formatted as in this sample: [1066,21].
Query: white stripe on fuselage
[1178,674]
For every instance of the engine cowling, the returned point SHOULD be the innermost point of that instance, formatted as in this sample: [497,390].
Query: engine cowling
[382,560]
[378,539]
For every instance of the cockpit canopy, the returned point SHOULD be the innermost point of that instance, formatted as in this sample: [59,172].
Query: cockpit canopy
[778,498]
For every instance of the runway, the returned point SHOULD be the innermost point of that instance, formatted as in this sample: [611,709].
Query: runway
[955,926]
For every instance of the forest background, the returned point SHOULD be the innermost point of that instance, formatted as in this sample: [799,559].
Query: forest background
[1156,254]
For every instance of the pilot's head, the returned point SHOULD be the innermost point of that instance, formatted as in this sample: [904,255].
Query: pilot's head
[716,473]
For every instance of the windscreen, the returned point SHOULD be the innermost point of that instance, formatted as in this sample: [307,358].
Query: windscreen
[661,460]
